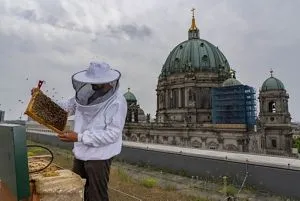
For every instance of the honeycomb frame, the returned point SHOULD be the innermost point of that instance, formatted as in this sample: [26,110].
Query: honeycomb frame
[31,113]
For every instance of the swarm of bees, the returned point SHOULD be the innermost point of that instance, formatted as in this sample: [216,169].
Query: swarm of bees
[43,110]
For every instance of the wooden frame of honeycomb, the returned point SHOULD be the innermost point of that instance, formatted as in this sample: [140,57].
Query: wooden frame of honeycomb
[46,112]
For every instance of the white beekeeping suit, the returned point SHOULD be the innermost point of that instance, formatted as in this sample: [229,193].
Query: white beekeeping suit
[99,118]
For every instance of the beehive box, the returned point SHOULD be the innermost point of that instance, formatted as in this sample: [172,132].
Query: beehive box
[54,183]
[36,163]
[46,112]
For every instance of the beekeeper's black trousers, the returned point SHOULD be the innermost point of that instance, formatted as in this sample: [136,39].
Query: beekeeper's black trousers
[96,174]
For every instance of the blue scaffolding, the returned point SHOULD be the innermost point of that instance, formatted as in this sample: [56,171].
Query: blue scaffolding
[234,105]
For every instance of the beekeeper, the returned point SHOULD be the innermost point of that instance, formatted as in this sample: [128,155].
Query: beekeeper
[100,113]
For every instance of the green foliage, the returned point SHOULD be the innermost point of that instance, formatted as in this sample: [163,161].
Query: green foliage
[123,175]
[296,144]
[149,182]
[35,151]
[230,190]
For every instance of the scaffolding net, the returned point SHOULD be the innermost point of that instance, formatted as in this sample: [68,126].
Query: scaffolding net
[234,105]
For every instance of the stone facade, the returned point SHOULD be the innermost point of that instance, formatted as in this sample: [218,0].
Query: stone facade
[186,97]
[203,136]
[275,121]
[180,125]
[184,106]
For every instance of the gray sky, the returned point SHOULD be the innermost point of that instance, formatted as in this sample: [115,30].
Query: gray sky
[50,40]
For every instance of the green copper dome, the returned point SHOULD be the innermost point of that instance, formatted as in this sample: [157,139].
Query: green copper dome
[194,54]
[272,83]
[231,82]
[130,97]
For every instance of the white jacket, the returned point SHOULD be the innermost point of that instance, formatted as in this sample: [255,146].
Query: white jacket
[99,127]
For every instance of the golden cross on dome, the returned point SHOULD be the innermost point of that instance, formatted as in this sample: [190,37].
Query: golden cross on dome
[232,73]
[271,71]
[193,11]
[193,26]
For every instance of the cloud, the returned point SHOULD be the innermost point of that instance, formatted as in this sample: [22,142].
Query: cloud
[51,40]
[132,31]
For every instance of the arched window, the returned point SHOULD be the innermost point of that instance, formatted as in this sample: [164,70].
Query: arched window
[174,98]
[285,105]
[182,97]
[191,95]
[272,107]
[274,143]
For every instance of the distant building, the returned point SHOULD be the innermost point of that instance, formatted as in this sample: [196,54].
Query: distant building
[34,127]
[135,113]
[296,129]
[2,115]
[18,122]
[274,116]
[201,104]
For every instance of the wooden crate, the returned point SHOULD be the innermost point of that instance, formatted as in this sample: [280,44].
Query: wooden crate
[62,186]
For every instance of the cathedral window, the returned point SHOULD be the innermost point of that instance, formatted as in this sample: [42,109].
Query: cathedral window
[174,98]
[274,143]
[182,97]
[191,95]
[272,107]
[196,144]
[212,145]
[161,98]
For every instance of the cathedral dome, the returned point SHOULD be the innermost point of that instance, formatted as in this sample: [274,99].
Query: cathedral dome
[231,82]
[194,54]
[272,83]
[130,97]
[141,111]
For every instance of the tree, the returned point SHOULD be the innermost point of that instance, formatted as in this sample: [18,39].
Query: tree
[296,144]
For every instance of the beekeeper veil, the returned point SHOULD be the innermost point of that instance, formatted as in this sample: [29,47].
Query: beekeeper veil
[88,84]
